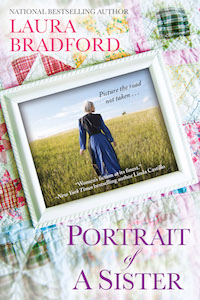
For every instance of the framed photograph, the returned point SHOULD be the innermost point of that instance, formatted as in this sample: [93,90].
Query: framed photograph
[96,138]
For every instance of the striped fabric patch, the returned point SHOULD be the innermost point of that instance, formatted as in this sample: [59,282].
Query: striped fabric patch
[8,255]
[172,22]
[38,256]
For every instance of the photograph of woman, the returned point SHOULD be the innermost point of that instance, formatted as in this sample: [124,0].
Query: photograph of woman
[103,156]
[61,127]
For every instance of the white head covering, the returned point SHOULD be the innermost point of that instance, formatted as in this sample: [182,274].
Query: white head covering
[87,106]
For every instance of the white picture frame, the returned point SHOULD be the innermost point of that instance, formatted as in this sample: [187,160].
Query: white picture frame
[41,215]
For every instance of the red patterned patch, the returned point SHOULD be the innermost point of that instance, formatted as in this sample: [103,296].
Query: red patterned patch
[22,66]
[53,66]
[8,198]
[6,177]
[18,184]
[6,145]
[3,129]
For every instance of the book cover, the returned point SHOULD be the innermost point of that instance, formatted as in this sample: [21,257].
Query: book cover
[96,138]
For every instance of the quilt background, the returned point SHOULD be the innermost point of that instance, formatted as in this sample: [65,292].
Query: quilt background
[38,264]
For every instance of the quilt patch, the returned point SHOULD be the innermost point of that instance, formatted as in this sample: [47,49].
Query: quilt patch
[38,256]
[53,66]
[22,66]
[8,255]
[8,198]
[172,22]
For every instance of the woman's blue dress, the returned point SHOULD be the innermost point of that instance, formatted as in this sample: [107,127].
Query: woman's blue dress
[100,140]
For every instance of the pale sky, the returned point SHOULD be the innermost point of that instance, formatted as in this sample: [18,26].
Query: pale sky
[60,112]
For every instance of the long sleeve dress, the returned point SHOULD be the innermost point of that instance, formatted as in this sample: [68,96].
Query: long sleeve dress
[103,156]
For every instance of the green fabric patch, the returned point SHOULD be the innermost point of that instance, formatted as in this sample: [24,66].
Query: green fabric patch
[172,23]
[8,255]
[38,256]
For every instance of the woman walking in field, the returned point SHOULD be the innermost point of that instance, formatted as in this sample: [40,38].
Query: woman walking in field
[103,156]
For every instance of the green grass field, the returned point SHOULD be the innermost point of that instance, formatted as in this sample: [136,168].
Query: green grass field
[141,138]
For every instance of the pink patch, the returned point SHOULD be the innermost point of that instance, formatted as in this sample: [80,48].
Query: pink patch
[194,159]
[181,57]
[136,27]
[3,129]
[6,144]
[3,157]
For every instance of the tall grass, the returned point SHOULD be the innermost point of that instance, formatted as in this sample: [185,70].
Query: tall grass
[141,139]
